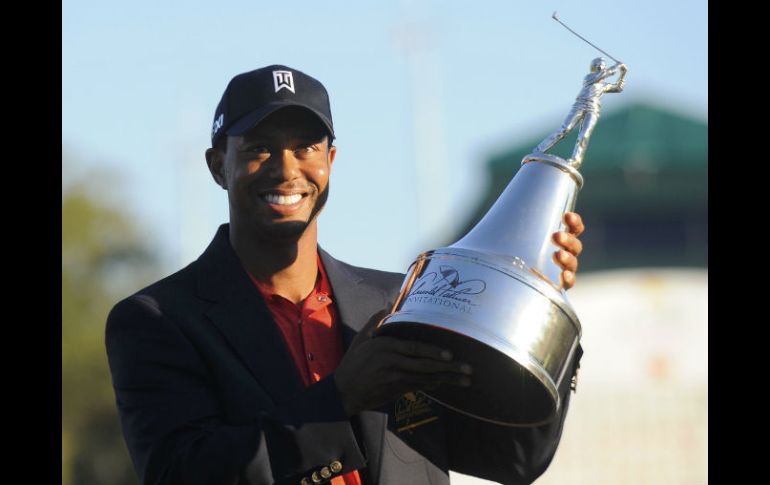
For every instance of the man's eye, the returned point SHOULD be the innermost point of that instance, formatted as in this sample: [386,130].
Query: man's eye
[260,150]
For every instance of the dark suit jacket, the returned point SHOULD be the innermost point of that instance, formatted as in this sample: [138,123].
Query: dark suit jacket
[208,394]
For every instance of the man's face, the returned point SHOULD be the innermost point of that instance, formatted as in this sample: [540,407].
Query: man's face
[277,174]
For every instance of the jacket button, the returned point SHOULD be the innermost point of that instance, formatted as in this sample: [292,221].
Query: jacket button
[315,477]
[325,473]
[336,466]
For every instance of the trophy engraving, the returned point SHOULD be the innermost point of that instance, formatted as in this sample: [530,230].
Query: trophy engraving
[495,297]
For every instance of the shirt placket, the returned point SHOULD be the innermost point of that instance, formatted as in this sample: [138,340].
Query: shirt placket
[317,302]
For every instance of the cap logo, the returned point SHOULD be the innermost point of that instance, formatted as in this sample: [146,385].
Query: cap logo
[218,123]
[283,79]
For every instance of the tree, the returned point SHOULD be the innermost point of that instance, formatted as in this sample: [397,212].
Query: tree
[103,260]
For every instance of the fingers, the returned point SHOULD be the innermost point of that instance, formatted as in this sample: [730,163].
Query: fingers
[574,222]
[398,383]
[419,382]
[430,366]
[568,242]
[415,348]
[568,279]
[567,257]
[382,368]
[565,260]
[569,265]
[417,365]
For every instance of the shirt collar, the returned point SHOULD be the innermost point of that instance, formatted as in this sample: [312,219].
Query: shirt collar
[322,286]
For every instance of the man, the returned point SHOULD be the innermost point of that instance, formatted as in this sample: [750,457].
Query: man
[246,366]
[586,109]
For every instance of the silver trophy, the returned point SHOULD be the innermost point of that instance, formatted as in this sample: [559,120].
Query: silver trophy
[495,297]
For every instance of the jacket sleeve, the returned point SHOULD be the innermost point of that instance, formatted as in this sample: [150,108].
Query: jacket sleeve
[509,455]
[173,422]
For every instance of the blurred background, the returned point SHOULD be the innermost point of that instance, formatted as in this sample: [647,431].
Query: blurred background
[434,105]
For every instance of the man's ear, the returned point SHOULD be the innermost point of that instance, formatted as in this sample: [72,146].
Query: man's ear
[332,154]
[215,159]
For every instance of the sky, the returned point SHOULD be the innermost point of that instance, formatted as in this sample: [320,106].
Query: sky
[422,93]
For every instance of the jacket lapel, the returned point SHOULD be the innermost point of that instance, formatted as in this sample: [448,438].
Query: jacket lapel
[357,301]
[241,314]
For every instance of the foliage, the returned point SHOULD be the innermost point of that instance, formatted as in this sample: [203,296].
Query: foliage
[103,260]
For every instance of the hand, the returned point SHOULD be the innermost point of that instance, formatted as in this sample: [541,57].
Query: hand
[375,371]
[566,257]
[623,67]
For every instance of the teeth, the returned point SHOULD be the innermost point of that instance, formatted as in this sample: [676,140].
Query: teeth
[282,199]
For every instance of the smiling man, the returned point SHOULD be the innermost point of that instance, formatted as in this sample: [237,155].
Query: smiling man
[256,364]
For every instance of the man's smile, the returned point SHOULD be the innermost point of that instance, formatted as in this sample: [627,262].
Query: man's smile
[285,202]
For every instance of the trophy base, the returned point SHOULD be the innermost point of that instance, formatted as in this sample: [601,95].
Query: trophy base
[514,327]
[502,391]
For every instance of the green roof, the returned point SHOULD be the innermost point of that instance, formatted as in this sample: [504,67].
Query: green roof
[638,134]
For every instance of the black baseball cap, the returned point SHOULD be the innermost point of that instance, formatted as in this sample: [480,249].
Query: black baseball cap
[251,96]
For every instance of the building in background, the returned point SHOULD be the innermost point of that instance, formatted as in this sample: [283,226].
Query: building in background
[645,197]
[640,414]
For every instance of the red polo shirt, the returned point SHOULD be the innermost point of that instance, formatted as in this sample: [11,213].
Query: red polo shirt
[312,334]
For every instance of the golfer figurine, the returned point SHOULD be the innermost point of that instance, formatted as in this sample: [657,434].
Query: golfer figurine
[586,108]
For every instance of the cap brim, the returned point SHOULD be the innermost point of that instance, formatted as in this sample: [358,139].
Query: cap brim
[245,123]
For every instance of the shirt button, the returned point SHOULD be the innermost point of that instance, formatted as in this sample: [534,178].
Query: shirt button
[310,356]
